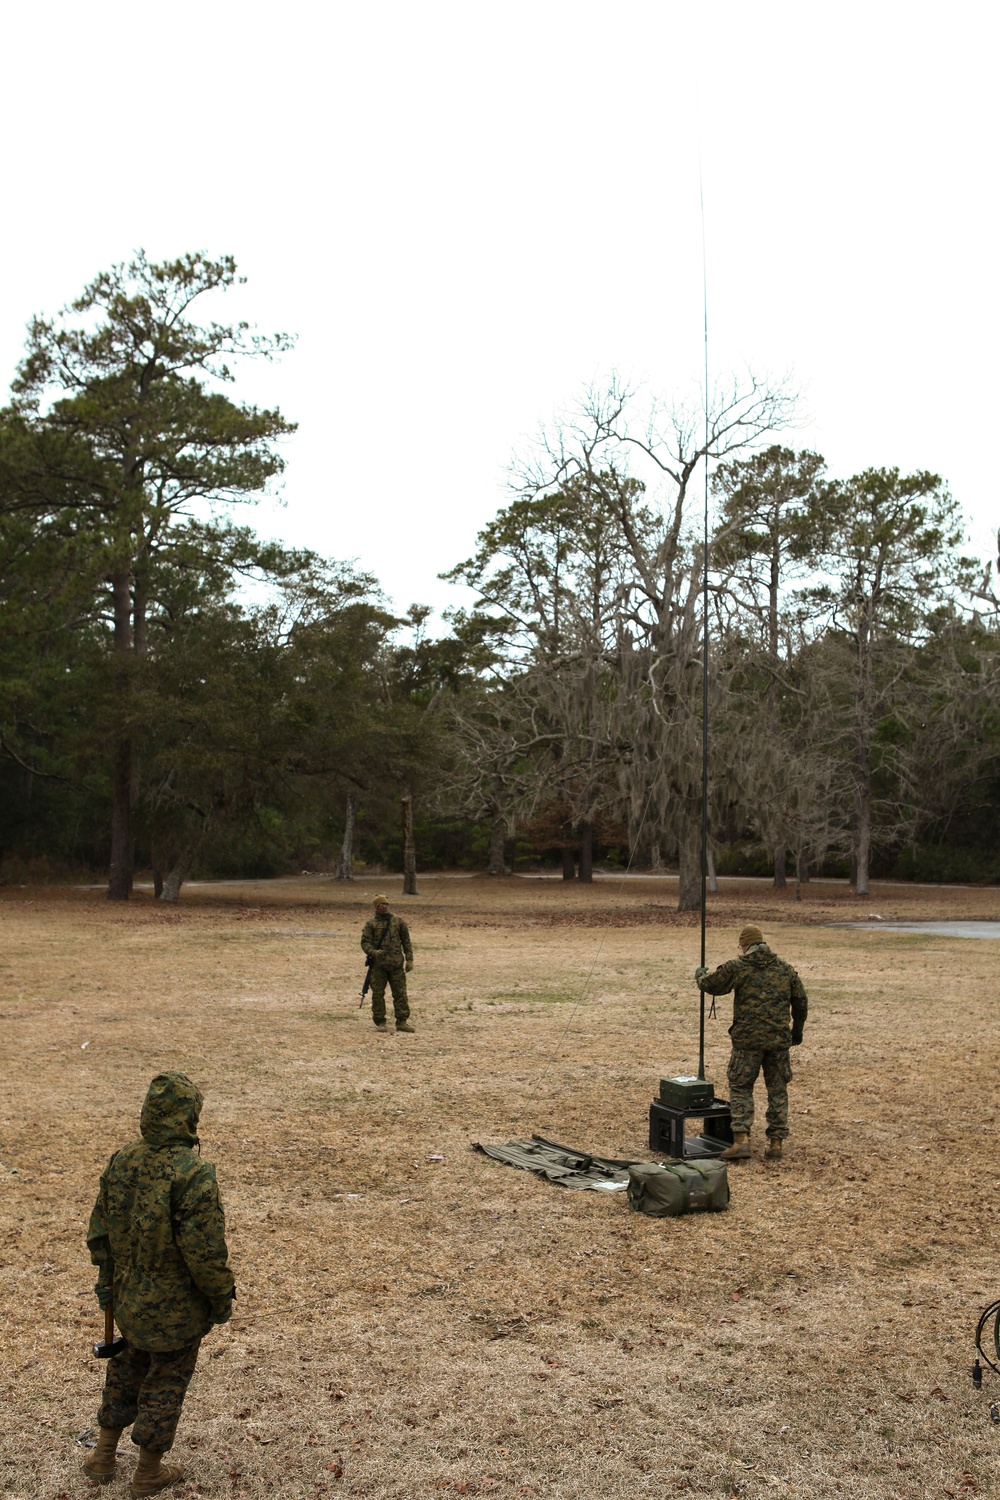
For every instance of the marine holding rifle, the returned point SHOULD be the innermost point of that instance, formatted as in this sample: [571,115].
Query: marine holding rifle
[157,1237]
[767,993]
[389,955]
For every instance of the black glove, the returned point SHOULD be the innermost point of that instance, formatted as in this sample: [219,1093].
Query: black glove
[103,1294]
[796,1038]
[222,1310]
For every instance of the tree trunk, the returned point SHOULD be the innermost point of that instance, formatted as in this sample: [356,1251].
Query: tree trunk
[157,882]
[780,878]
[122,781]
[713,879]
[409,847]
[689,855]
[345,864]
[655,857]
[802,870]
[864,838]
[123,764]
[568,863]
[175,878]
[496,862]
[587,851]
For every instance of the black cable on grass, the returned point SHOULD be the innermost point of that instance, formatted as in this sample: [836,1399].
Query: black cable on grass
[990,1313]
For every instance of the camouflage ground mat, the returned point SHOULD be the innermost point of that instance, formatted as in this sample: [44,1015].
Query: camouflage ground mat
[562,1164]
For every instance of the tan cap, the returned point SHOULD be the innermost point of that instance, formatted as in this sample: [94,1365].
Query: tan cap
[749,936]
[380,901]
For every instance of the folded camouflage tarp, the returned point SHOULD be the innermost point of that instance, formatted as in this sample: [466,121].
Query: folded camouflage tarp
[562,1164]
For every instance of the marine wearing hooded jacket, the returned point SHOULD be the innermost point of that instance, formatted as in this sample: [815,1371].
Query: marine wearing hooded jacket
[765,990]
[157,1232]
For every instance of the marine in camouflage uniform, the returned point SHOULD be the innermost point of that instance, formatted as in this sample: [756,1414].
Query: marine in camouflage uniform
[766,993]
[386,941]
[157,1236]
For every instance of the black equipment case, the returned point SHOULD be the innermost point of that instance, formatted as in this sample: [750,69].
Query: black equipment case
[666,1129]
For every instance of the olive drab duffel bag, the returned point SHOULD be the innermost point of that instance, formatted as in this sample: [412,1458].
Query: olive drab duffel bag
[677,1187]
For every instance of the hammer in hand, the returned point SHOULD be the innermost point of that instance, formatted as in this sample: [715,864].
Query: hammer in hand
[109,1345]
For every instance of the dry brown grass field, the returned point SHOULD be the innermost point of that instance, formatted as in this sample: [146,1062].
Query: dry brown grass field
[416,1320]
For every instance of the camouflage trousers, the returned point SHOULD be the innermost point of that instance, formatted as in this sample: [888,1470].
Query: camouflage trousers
[396,980]
[744,1067]
[145,1391]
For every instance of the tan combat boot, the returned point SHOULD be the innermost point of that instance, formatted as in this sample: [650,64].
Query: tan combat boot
[740,1149]
[404,1026]
[152,1475]
[773,1152]
[99,1465]
[380,1026]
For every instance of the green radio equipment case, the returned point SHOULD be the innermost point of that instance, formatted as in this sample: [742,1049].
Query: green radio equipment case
[686,1093]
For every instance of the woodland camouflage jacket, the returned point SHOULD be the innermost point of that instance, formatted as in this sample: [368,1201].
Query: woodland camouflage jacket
[765,991]
[157,1232]
[388,936]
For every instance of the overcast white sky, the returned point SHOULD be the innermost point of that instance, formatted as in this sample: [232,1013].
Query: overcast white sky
[469,211]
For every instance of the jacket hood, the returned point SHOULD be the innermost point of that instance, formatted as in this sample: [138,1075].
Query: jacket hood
[170,1111]
[760,956]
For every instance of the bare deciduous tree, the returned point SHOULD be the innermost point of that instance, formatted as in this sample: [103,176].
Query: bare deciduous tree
[638,463]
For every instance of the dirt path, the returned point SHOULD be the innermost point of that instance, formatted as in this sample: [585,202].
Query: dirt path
[413,1326]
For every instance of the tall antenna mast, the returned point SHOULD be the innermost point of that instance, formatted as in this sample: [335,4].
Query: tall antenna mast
[681,1097]
[704,649]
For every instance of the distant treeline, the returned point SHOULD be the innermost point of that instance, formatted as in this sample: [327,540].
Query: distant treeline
[176,693]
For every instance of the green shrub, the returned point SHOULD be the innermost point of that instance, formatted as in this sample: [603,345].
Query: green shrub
[944,864]
[744,859]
